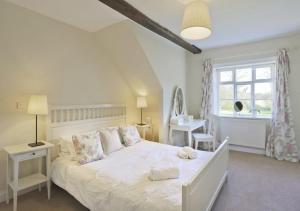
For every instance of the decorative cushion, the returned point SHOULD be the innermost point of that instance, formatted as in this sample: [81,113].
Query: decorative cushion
[66,148]
[110,139]
[130,135]
[88,147]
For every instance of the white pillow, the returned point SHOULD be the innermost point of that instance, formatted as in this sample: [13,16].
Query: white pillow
[88,147]
[130,135]
[110,139]
[66,147]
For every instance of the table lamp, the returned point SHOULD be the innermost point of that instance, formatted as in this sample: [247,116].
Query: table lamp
[38,106]
[141,103]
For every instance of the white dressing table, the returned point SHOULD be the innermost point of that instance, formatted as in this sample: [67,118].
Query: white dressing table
[186,127]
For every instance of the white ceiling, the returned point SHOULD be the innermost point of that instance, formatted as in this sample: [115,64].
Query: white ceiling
[234,21]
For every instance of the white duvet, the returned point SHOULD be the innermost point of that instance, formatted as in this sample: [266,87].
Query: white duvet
[120,181]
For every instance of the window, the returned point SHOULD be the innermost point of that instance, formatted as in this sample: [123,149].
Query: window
[251,84]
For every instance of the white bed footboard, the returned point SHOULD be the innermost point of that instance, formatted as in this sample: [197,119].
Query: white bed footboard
[202,190]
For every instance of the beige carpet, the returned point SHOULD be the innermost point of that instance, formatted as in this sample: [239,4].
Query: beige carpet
[255,183]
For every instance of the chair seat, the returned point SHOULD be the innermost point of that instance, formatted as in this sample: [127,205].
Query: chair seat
[203,137]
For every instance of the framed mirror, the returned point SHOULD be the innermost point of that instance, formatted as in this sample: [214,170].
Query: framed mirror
[179,102]
[179,107]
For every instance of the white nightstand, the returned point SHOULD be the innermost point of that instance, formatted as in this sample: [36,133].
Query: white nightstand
[143,129]
[22,152]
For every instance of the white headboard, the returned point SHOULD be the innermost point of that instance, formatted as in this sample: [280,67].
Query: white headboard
[69,120]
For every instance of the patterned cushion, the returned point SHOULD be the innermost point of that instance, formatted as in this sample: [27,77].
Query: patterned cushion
[130,135]
[88,147]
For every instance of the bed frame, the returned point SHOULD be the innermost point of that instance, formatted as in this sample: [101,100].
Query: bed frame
[202,190]
[198,194]
[68,120]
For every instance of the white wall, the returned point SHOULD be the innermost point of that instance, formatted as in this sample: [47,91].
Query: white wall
[168,61]
[40,55]
[247,51]
[152,65]
[120,41]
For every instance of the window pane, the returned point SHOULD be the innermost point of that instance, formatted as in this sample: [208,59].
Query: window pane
[263,73]
[226,107]
[247,108]
[226,91]
[244,74]
[263,91]
[243,92]
[263,108]
[225,76]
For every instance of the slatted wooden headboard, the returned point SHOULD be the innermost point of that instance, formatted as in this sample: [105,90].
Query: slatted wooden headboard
[69,120]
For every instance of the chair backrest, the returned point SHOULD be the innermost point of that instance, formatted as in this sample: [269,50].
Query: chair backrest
[212,125]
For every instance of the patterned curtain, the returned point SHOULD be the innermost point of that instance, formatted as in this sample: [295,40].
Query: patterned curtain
[207,90]
[281,142]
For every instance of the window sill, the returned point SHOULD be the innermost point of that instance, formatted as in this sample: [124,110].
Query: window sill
[245,117]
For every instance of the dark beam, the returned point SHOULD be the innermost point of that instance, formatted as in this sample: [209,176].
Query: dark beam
[132,13]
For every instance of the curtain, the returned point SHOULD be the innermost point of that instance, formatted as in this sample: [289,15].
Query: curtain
[207,90]
[281,142]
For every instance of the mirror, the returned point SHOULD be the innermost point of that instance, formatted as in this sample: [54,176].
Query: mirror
[179,102]
[238,106]
[179,108]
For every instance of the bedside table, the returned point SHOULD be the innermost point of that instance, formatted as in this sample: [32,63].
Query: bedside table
[143,128]
[22,152]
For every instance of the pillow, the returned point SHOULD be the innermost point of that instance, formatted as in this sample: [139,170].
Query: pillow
[130,135]
[88,147]
[66,148]
[110,139]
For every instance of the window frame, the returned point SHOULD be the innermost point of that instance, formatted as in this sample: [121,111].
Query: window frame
[233,69]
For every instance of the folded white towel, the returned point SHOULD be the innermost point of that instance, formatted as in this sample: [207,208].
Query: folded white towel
[187,153]
[191,152]
[182,154]
[164,173]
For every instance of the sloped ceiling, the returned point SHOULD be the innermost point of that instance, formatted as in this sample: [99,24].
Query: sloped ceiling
[234,21]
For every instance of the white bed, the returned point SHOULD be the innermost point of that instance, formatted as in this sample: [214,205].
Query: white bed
[120,181]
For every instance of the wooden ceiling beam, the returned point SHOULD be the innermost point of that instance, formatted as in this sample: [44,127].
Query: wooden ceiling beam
[137,16]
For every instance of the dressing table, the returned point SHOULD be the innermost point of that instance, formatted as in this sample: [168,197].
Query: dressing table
[186,127]
[180,121]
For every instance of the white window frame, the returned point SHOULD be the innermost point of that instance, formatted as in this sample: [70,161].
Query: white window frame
[233,68]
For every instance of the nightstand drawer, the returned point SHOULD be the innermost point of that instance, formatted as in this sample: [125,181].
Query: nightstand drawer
[31,155]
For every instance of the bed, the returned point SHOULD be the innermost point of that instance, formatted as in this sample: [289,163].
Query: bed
[120,181]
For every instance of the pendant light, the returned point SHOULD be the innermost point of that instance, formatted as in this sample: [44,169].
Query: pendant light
[196,23]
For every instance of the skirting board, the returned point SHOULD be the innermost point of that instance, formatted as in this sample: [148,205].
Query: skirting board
[247,149]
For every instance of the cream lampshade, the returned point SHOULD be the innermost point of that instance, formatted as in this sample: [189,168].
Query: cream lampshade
[141,103]
[37,105]
[196,22]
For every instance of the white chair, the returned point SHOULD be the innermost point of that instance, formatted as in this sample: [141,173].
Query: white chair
[210,136]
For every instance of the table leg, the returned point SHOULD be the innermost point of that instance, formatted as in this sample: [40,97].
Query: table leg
[48,166]
[190,138]
[40,170]
[7,178]
[15,182]
[196,145]
[144,133]
[171,136]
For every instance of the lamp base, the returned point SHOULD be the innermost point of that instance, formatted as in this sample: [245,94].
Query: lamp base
[36,144]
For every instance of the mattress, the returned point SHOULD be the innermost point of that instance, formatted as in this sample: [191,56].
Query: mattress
[120,181]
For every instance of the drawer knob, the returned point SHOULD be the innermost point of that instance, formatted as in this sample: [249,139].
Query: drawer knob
[33,153]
